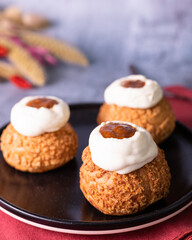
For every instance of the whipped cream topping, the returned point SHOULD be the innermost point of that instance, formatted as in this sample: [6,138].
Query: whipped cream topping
[145,97]
[122,155]
[32,121]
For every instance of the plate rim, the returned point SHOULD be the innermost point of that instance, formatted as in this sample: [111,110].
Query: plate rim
[95,232]
[164,212]
[174,207]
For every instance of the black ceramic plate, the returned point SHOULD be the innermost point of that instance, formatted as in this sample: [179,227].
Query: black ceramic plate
[54,201]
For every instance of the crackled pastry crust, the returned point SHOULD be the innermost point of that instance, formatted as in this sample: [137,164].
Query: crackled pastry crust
[158,120]
[116,194]
[41,153]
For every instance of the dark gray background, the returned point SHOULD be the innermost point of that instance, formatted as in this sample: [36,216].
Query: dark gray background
[154,35]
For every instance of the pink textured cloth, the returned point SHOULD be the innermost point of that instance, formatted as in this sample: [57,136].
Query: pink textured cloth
[178,227]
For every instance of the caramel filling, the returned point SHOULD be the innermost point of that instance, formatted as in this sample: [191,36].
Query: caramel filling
[117,130]
[132,84]
[42,102]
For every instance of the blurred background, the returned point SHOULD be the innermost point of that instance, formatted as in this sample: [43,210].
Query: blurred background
[153,35]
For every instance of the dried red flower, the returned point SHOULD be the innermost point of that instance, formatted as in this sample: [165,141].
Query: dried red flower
[3,51]
[20,82]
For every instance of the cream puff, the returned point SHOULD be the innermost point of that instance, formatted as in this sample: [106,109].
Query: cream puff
[138,100]
[123,170]
[39,137]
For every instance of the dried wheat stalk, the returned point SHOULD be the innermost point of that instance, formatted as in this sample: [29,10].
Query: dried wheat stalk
[28,66]
[24,62]
[59,49]
[7,43]
[7,70]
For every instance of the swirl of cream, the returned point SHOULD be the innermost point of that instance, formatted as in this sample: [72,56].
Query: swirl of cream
[143,97]
[122,155]
[32,121]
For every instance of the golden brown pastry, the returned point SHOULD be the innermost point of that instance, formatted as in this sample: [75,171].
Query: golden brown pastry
[41,153]
[155,113]
[43,141]
[122,193]
[158,120]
